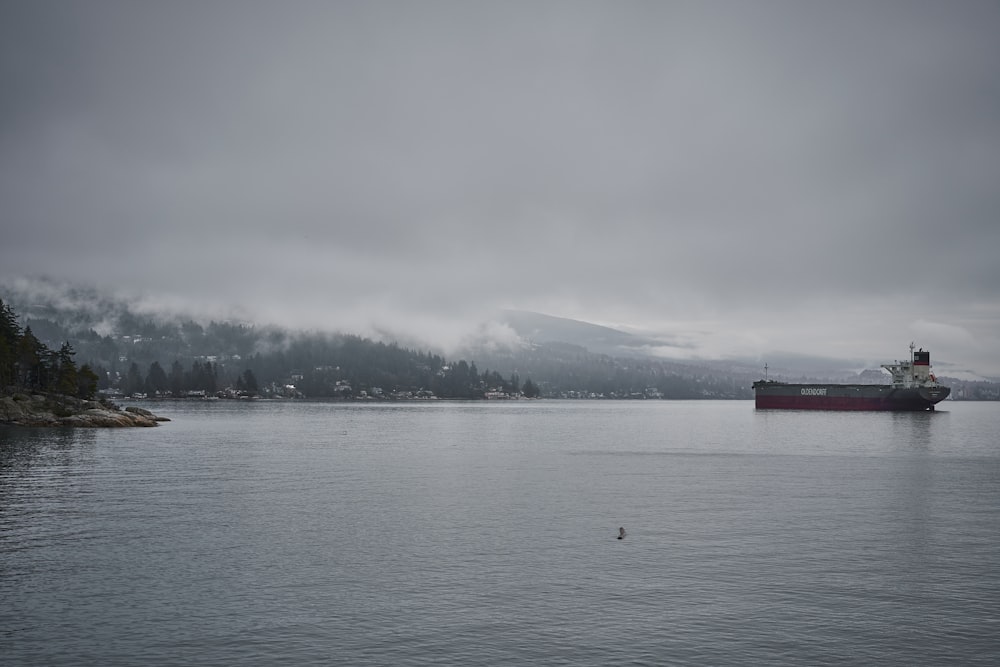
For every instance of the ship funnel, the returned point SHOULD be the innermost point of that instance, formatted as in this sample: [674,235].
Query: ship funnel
[921,365]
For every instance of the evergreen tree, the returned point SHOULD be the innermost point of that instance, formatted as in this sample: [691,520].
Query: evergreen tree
[156,379]
[66,373]
[133,382]
[202,377]
[7,363]
[31,365]
[10,337]
[102,374]
[531,390]
[86,383]
[249,382]
[9,328]
[211,378]
[176,379]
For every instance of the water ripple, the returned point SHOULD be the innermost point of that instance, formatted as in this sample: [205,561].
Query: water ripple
[316,534]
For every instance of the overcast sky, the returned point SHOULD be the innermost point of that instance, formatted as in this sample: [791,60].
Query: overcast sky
[740,177]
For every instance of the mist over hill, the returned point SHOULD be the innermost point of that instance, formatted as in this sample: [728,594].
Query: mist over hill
[130,340]
[532,330]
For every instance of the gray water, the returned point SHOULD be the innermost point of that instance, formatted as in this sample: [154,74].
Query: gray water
[281,533]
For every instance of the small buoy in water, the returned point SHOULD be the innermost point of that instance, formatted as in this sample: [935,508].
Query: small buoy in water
[621,533]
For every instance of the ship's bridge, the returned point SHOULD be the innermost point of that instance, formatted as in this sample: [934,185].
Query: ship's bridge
[913,373]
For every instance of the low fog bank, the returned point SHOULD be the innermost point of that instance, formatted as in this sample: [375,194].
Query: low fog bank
[498,337]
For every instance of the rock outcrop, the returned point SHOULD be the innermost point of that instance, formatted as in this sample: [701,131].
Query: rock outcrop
[54,410]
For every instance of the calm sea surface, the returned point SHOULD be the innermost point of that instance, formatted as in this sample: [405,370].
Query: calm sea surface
[287,533]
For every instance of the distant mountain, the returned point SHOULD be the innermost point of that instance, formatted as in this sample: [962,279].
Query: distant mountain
[561,342]
[572,358]
[538,329]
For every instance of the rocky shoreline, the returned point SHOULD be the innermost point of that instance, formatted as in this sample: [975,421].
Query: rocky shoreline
[54,410]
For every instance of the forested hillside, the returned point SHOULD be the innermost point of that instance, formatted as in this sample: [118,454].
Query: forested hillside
[128,352]
[154,354]
[169,357]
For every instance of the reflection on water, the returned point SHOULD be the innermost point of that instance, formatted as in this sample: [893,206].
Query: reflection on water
[51,447]
[917,429]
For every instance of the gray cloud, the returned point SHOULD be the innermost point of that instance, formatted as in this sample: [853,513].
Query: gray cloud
[745,176]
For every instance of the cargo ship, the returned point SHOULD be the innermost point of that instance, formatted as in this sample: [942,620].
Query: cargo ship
[913,388]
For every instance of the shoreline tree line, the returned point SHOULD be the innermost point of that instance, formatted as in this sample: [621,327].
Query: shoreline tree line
[28,364]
